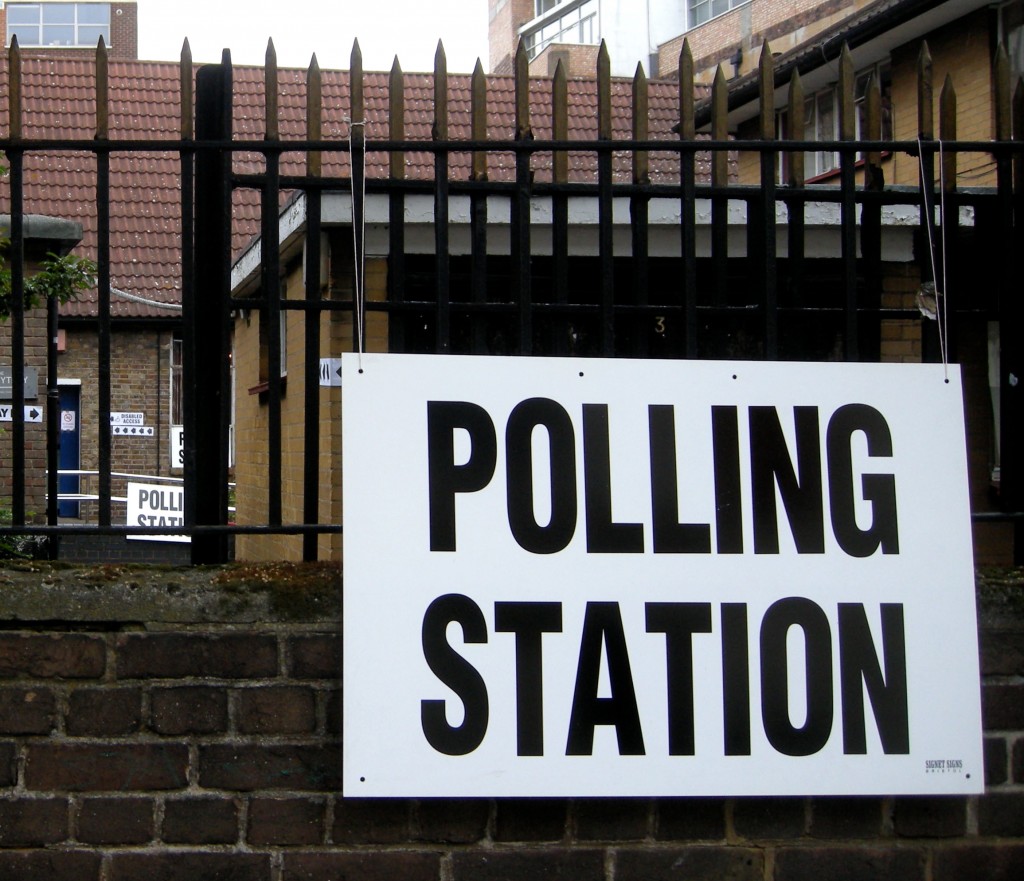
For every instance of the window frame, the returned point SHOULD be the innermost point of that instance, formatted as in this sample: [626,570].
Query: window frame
[95,30]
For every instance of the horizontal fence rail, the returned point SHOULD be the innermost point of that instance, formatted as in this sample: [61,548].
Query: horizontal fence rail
[697,244]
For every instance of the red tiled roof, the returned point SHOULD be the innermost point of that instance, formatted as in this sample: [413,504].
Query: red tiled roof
[59,103]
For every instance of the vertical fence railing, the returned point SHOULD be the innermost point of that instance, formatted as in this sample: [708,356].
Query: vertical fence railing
[712,289]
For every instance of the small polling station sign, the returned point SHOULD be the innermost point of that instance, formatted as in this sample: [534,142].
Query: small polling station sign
[154,504]
[656,578]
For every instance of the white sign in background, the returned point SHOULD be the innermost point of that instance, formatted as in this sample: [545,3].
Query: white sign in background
[719,665]
[155,504]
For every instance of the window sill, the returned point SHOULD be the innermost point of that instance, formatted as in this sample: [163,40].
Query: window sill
[263,389]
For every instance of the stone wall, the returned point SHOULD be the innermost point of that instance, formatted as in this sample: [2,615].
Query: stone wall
[180,724]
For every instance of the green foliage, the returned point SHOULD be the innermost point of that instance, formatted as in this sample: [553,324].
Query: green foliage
[61,277]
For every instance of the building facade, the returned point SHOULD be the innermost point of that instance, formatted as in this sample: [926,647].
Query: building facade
[59,29]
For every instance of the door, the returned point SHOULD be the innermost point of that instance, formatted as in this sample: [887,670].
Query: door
[69,458]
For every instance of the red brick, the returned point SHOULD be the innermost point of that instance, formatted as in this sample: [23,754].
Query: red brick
[406,865]
[1002,652]
[105,767]
[189,867]
[1002,707]
[27,711]
[672,864]
[32,822]
[315,657]
[284,821]
[448,821]
[1001,814]
[611,819]
[188,710]
[370,821]
[930,817]
[98,712]
[119,821]
[63,656]
[550,864]
[276,710]
[8,766]
[248,768]
[332,713]
[171,656]
[201,821]
[523,819]
[846,818]
[769,817]
[996,761]
[50,865]
[849,864]
[979,862]
[690,819]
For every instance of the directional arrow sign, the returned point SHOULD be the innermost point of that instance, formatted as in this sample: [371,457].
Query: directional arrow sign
[330,371]
[32,414]
[133,430]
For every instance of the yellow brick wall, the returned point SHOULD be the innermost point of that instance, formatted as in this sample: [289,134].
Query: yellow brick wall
[336,336]
[963,51]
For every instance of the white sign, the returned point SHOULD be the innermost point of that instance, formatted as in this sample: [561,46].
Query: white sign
[151,504]
[177,446]
[68,420]
[637,578]
[330,371]
[133,430]
[127,418]
[32,413]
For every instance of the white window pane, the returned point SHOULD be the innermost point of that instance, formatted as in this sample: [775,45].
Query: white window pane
[58,13]
[93,13]
[59,35]
[89,35]
[28,35]
[23,13]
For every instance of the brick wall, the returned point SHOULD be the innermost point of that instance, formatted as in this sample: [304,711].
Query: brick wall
[139,382]
[35,432]
[188,727]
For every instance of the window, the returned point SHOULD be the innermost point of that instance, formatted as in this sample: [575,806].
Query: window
[821,119]
[705,10]
[542,6]
[577,25]
[58,24]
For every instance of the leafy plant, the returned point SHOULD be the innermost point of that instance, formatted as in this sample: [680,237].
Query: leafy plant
[61,277]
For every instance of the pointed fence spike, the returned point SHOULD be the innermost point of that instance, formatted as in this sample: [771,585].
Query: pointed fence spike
[720,127]
[947,132]
[925,91]
[314,116]
[102,91]
[357,105]
[440,128]
[687,93]
[560,121]
[796,129]
[604,93]
[478,100]
[641,116]
[270,106]
[766,87]
[14,88]
[396,119]
[521,71]
[185,69]
[847,106]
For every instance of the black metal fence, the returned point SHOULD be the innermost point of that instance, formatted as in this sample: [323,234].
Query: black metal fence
[705,298]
